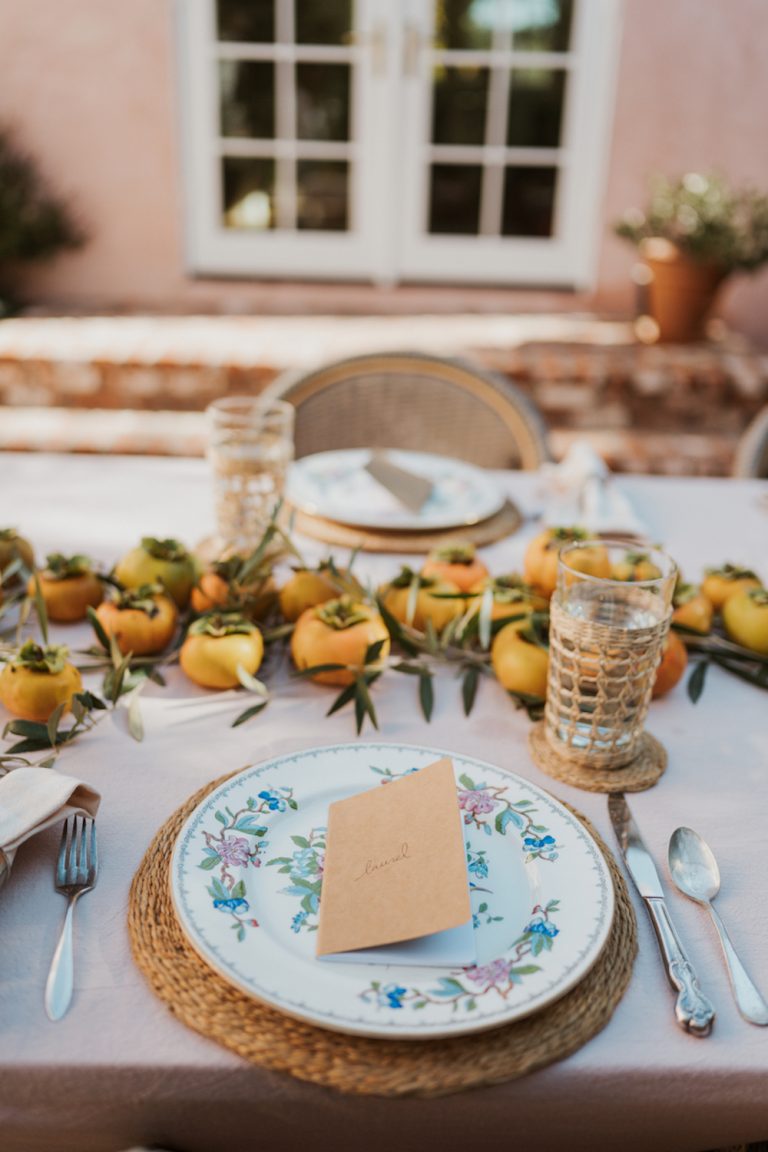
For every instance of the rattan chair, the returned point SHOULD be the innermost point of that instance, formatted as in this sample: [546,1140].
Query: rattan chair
[419,402]
[752,450]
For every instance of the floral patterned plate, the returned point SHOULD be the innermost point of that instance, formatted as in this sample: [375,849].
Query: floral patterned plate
[337,486]
[246,878]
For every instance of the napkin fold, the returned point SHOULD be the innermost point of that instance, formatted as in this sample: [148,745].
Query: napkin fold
[32,799]
[580,492]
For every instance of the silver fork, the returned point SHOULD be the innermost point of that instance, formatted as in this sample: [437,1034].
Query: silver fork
[76,871]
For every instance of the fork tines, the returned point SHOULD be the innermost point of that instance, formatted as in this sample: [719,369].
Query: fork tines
[78,856]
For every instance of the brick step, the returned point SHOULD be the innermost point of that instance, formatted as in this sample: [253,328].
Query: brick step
[666,408]
[164,433]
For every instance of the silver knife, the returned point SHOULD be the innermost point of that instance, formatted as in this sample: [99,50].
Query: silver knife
[693,1010]
[411,490]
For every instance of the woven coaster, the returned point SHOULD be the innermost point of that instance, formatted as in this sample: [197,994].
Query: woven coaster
[201,999]
[643,772]
[506,521]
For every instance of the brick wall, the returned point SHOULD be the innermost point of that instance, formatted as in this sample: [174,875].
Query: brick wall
[662,408]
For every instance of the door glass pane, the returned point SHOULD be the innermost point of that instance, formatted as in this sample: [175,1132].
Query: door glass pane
[247,93]
[466,23]
[322,21]
[248,193]
[323,195]
[542,25]
[454,201]
[529,200]
[459,103]
[240,20]
[535,107]
[322,101]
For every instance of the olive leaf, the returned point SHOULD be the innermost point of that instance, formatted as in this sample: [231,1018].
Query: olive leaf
[249,712]
[42,612]
[696,681]
[52,726]
[316,668]
[469,683]
[135,721]
[98,628]
[426,694]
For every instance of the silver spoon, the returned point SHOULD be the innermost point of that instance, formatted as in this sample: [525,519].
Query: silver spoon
[695,872]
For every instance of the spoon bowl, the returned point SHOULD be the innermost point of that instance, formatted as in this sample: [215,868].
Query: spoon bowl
[695,872]
[693,866]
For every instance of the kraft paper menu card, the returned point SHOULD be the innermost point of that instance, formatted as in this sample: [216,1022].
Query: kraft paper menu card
[395,883]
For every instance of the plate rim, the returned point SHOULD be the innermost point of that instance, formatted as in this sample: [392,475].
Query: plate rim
[311,1017]
[407,521]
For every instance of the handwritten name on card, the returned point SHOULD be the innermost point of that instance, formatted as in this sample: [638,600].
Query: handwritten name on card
[395,867]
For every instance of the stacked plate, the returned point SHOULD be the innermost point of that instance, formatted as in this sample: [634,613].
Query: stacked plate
[339,487]
[247,873]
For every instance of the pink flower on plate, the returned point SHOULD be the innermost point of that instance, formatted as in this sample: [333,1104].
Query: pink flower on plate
[234,852]
[475,802]
[497,972]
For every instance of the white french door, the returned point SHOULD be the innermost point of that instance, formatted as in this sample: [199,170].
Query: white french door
[387,140]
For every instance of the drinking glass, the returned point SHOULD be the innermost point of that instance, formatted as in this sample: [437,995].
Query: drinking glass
[250,446]
[606,641]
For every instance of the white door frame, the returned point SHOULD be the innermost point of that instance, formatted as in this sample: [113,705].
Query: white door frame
[390,53]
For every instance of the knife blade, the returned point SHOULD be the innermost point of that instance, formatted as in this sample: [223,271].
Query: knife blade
[409,489]
[693,1011]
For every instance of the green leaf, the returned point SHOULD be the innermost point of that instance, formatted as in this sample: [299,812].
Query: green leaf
[373,651]
[469,685]
[426,695]
[249,713]
[42,612]
[24,746]
[79,711]
[431,637]
[320,668]
[135,722]
[367,703]
[343,698]
[90,701]
[209,863]
[696,681]
[467,782]
[114,651]
[409,669]
[52,726]
[525,970]
[29,728]
[301,841]
[220,817]
[98,628]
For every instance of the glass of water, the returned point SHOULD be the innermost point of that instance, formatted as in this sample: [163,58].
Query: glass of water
[250,446]
[607,633]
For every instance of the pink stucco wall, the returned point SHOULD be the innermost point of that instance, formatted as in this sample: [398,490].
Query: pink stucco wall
[90,85]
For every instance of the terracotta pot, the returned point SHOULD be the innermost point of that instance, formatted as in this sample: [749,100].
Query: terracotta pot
[678,292]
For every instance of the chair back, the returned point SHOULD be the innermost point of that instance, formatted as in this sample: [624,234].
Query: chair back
[414,401]
[752,449]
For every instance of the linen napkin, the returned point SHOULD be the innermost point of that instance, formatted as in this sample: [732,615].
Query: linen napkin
[32,799]
[580,492]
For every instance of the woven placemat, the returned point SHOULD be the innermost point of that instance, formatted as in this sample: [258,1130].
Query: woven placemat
[643,772]
[201,999]
[506,521]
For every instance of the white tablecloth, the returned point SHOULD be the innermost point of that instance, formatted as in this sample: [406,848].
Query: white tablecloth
[119,1069]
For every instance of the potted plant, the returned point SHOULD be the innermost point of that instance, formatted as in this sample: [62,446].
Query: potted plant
[34,224]
[693,234]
